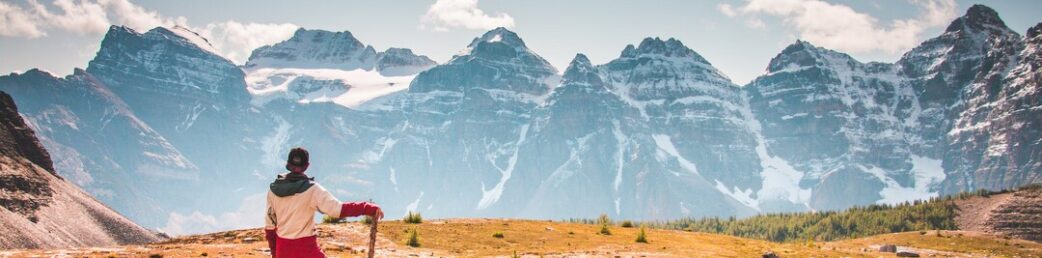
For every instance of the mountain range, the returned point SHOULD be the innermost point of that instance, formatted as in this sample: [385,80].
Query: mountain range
[177,137]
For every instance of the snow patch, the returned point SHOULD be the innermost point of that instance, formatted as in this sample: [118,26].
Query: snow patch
[491,196]
[266,84]
[274,144]
[781,181]
[743,197]
[926,172]
[665,143]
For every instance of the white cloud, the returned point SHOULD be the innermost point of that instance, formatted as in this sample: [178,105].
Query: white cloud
[236,40]
[446,14]
[138,17]
[232,39]
[840,27]
[755,23]
[249,214]
[726,9]
[15,21]
[81,18]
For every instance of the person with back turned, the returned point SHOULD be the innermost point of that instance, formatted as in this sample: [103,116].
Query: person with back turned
[292,201]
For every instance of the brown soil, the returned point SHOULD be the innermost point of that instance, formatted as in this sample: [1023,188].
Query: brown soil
[975,212]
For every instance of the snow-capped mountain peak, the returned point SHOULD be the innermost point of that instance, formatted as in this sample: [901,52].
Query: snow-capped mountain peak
[501,56]
[315,49]
[499,35]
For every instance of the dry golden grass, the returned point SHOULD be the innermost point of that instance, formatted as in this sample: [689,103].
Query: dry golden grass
[951,243]
[474,238]
[528,238]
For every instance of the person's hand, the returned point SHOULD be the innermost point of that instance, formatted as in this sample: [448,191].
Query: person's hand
[379,214]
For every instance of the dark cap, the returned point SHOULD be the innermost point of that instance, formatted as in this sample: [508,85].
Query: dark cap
[297,160]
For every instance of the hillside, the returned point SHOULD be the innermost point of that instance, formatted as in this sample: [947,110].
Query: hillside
[39,209]
[1002,213]
[474,238]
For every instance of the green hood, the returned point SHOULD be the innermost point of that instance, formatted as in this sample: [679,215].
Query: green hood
[290,184]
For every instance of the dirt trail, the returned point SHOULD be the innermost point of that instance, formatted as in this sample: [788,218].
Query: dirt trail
[975,212]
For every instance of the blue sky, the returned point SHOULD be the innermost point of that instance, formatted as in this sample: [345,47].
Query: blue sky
[739,37]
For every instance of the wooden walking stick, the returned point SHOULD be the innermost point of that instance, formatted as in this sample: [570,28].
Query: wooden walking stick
[372,237]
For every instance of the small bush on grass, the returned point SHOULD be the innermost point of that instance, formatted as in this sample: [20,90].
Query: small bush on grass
[413,218]
[642,236]
[604,221]
[605,230]
[366,220]
[414,238]
[497,235]
[627,224]
[331,220]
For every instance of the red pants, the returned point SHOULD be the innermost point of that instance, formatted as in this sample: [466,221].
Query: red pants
[305,247]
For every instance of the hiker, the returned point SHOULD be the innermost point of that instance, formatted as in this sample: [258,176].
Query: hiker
[292,201]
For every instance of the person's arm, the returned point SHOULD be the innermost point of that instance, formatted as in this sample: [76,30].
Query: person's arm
[269,226]
[329,205]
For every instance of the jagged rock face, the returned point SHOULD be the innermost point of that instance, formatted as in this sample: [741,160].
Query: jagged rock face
[189,95]
[839,121]
[19,140]
[1013,150]
[959,77]
[690,103]
[940,120]
[22,194]
[194,98]
[462,124]
[35,203]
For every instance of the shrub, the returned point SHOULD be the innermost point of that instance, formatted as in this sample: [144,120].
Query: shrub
[414,238]
[642,237]
[627,224]
[515,255]
[366,220]
[331,220]
[413,218]
[155,256]
[605,230]
[604,221]
[497,235]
